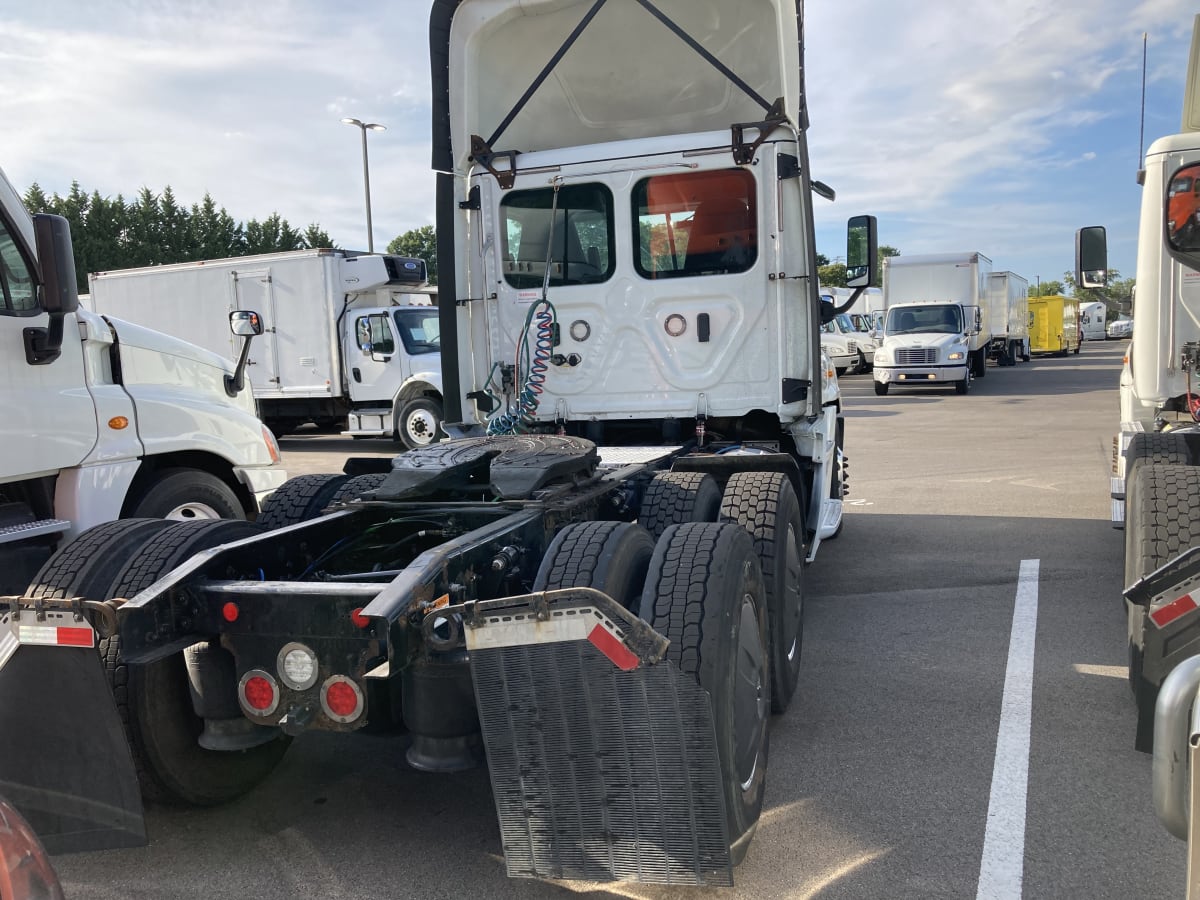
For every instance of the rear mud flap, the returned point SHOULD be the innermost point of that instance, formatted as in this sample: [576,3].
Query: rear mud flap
[1168,604]
[602,754]
[64,761]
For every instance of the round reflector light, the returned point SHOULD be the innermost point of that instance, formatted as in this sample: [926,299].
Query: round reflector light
[359,620]
[341,699]
[258,692]
[230,612]
[297,666]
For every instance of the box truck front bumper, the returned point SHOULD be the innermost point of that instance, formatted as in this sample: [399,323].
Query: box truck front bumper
[918,375]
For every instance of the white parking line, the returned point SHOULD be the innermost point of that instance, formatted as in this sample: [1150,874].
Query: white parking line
[1003,866]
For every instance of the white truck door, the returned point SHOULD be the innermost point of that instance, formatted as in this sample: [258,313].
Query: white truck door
[374,358]
[252,290]
[47,415]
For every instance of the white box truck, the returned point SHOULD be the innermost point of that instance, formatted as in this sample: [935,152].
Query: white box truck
[938,323]
[351,340]
[103,419]
[1009,312]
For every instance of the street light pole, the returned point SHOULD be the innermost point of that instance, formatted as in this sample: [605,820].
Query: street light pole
[364,127]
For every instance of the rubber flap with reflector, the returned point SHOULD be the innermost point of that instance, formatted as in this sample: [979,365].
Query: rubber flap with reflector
[64,762]
[601,771]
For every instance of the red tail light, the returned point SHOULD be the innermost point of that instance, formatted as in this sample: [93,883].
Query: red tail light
[341,699]
[258,693]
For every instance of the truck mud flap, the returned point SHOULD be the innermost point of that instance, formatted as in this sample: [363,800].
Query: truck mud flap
[602,754]
[1169,603]
[64,761]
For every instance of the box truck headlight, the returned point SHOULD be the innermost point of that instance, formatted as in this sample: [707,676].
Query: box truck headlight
[882,357]
[957,354]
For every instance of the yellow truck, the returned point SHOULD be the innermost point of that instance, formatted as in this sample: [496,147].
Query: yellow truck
[1054,325]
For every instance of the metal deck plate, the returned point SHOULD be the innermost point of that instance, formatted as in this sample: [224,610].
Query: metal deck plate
[612,457]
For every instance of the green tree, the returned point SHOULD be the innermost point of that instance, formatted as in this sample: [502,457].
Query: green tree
[271,235]
[832,275]
[1047,289]
[420,243]
[316,237]
[213,234]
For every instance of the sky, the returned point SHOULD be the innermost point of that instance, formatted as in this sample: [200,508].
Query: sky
[999,126]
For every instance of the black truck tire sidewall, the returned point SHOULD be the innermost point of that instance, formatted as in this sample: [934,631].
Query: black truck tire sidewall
[701,576]
[174,488]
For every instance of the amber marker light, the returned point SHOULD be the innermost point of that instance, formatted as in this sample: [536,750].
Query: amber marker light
[116,423]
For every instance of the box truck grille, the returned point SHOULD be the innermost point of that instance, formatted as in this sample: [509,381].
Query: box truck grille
[916,357]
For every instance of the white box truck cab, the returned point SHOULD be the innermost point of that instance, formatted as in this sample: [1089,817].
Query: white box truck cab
[941,334]
[351,340]
[104,419]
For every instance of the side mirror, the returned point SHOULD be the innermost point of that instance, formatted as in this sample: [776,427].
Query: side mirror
[1181,215]
[862,251]
[56,258]
[1091,257]
[245,323]
[248,324]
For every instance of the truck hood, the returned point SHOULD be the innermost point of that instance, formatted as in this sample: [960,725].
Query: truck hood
[153,358]
[488,58]
[915,340]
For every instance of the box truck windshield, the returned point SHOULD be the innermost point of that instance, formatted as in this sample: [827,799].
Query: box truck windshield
[924,320]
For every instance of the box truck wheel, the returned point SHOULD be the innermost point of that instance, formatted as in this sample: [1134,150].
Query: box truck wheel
[766,505]
[184,494]
[673,498]
[979,362]
[964,386]
[420,421]
[610,556]
[881,388]
[299,499]
[704,593]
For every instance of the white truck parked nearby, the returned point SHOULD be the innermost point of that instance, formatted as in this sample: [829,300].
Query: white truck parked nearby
[1009,312]
[351,340]
[104,419]
[1093,320]
[938,323]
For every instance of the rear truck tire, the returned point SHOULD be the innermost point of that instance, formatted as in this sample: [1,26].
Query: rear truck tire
[420,421]
[184,494]
[155,700]
[1159,525]
[354,488]
[964,386]
[881,388]
[299,499]
[766,505]
[609,556]
[863,365]
[704,593]
[88,565]
[672,498]
[1154,449]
